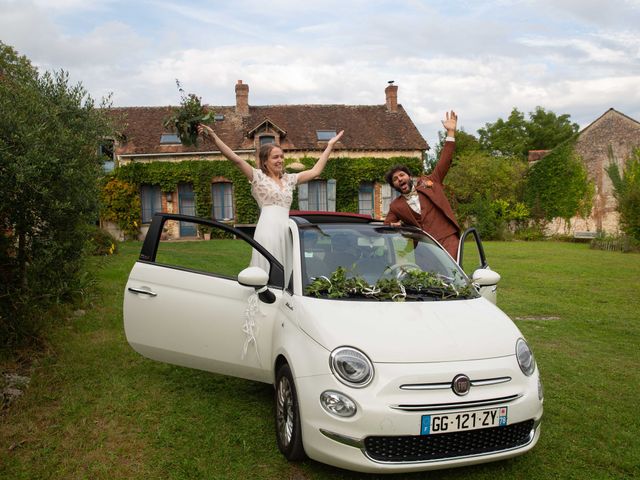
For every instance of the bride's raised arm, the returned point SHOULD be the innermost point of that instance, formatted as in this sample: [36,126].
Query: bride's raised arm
[317,169]
[242,164]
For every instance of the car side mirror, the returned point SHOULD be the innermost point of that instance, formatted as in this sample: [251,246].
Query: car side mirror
[257,278]
[485,277]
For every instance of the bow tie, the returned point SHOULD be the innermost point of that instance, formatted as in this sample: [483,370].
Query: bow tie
[412,193]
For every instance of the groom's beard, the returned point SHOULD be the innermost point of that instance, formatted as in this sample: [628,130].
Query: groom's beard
[410,183]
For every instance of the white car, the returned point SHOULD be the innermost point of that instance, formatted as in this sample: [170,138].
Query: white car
[384,355]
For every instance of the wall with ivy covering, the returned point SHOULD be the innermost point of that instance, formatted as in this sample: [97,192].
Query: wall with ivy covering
[348,172]
[558,185]
[351,172]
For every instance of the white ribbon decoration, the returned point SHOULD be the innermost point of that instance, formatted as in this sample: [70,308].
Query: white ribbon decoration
[402,294]
[371,291]
[250,327]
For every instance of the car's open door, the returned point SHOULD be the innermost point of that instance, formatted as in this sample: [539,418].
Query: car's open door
[183,303]
[472,259]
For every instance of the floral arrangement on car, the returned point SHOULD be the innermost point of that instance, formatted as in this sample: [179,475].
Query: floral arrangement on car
[414,284]
[185,119]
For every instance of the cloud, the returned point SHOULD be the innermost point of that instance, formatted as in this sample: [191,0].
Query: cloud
[480,58]
[619,14]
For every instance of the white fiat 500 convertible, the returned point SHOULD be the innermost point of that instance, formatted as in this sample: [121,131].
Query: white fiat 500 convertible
[384,354]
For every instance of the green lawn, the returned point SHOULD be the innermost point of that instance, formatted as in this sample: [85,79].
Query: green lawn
[96,409]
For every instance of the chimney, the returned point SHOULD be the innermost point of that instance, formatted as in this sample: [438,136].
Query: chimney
[391,92]
[242,98]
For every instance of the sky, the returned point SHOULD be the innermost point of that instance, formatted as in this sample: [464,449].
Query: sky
[479,58]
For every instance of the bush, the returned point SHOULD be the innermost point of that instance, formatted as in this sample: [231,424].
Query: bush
[627,193]
[120,204]
[49,172]
[486,217]
[101,242]
[534,231]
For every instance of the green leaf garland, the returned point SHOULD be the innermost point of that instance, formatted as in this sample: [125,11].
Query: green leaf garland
[413,284]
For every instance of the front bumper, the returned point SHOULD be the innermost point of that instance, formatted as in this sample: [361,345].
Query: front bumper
[384,435]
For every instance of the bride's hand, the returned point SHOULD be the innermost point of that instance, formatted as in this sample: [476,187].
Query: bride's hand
[205,130]
[335,139]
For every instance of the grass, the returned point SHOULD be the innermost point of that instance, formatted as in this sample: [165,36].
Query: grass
[96,409]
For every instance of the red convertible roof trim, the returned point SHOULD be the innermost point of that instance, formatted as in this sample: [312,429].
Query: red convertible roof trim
[327,217]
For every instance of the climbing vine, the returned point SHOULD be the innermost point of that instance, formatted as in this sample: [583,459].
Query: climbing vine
[349,173]
[558,185]
[120,204]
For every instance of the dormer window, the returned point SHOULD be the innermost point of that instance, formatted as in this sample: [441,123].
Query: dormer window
[266,139]
[170,139]
[218,117]
[325,135]
[266,132]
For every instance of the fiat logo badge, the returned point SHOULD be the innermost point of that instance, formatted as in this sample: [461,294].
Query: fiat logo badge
[461,385]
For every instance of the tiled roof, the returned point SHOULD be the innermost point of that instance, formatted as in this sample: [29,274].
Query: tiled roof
[535,155]
[612,111]
[367,128]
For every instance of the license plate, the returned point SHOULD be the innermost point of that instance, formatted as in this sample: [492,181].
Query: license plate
[456,422]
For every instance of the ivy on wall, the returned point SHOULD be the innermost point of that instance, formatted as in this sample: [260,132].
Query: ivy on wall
[199,173]
[558,185]
[348,172]
[351,172]
[120,204]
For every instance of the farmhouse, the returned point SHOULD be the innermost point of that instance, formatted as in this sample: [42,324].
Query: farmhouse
[380,133]
[611,137]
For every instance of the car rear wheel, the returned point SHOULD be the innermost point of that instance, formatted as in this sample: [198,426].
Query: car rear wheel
[288,430]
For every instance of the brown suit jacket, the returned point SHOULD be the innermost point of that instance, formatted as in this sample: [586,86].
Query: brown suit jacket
[444,223]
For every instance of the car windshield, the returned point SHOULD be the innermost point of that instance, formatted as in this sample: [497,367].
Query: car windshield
[378,262]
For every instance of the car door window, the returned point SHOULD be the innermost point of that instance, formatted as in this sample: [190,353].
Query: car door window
[215,251]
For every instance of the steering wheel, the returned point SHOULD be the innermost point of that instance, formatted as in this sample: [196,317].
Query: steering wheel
[399,270]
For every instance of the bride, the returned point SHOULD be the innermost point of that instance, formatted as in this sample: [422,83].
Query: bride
[273,189]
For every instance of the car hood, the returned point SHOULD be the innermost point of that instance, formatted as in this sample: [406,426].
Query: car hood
[391,332]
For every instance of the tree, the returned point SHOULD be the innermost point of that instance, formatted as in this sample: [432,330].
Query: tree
[627,192]
[505,138]
[558,186]
[49,170]
[546,130]
[465,142]
[516,136]
[485,191]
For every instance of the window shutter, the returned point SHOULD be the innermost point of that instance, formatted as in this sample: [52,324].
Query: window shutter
[303,196]
[386,191]
[331,195]
[386,198]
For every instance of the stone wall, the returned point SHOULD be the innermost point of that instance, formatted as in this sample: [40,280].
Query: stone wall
[613,132]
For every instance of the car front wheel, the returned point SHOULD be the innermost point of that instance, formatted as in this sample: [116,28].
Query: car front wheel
[288,430]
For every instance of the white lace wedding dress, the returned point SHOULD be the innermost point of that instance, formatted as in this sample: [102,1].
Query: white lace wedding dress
[272,230]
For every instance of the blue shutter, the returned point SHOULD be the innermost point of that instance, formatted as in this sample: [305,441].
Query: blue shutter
[303,196]
[331,195]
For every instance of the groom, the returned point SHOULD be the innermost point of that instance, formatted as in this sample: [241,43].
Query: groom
[424,204]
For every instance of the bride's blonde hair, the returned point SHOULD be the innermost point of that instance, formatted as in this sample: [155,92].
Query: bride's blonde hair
[263,155]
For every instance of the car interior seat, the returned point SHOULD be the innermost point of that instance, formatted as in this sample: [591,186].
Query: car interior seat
[344,251]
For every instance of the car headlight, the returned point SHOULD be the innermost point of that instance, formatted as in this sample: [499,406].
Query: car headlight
[351,367]
[525,357]
[337,403]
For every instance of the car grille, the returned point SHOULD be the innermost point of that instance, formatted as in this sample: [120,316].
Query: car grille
[418,448]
